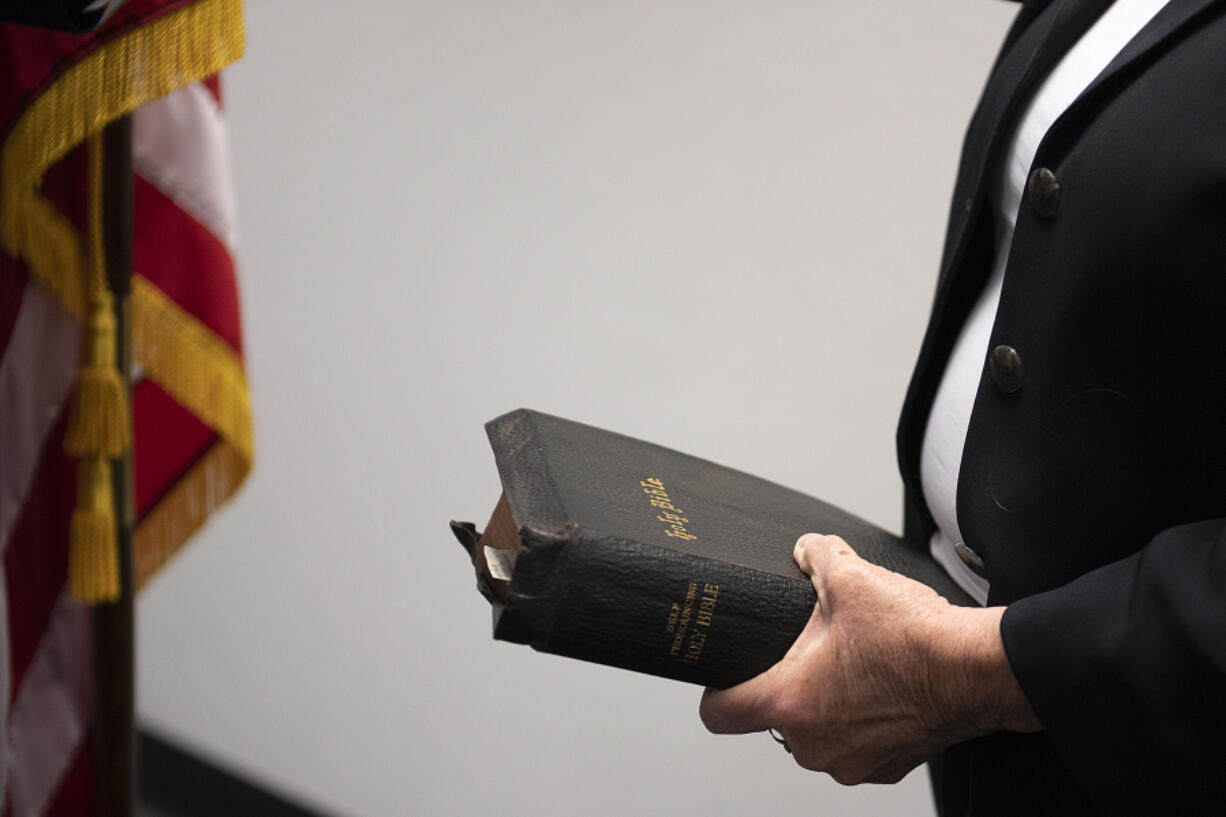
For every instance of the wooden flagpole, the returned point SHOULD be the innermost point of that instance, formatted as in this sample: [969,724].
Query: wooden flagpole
[115,767]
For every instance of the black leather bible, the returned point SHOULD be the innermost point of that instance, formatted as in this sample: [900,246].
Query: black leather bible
[618,551]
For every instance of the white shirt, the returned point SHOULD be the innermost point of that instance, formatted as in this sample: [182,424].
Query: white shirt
[945,436]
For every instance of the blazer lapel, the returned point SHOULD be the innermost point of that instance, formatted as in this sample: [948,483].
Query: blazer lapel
[1168,22]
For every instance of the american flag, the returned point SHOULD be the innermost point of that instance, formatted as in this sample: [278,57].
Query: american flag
[192,438]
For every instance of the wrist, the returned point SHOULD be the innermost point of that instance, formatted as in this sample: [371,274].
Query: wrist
[973,680]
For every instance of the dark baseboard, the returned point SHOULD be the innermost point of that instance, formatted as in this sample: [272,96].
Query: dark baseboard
[174,781]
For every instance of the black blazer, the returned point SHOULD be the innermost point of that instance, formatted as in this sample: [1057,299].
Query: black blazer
[1093,482]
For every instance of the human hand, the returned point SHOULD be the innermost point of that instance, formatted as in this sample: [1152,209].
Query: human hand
[884,676]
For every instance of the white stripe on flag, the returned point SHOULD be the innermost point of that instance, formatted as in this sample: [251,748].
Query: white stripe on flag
[36,375]
[179,145]
[51,711]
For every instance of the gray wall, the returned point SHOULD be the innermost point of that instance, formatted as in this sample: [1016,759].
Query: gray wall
[711,224]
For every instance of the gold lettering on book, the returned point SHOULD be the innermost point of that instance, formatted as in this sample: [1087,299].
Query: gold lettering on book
[673,517]
[673,615]
[689,622]
[706,608]
[684,612]
[702,622]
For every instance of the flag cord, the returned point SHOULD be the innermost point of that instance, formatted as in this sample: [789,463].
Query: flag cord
[99,424]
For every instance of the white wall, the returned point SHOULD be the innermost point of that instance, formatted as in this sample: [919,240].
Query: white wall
[712,224]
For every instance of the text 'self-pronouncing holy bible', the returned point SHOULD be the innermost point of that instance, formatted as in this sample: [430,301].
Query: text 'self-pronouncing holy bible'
[613,550]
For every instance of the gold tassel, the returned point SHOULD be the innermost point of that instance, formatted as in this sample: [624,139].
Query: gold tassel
[98,425]
[98,418]
[93,557]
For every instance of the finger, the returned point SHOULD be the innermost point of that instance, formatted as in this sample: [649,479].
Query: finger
[750,706]
[739,709]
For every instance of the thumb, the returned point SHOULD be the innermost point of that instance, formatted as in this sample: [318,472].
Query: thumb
[820,557]
[751,706]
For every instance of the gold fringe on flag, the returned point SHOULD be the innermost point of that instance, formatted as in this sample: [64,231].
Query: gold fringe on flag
[195,367]
[139,66]
[201,372]
[183,511]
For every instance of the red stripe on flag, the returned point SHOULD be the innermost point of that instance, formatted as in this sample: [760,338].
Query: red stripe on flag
[62,186]
[36,559]
[75,795]
[167,442]
[186,262]
[213,86]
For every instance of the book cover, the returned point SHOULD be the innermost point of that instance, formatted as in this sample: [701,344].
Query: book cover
[610,549]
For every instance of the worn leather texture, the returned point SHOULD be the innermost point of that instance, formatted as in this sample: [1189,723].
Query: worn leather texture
[611,574]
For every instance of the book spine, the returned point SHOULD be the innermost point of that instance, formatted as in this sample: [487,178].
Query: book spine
[651,609]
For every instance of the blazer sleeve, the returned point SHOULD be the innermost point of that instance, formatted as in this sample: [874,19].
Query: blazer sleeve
[1126,669]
